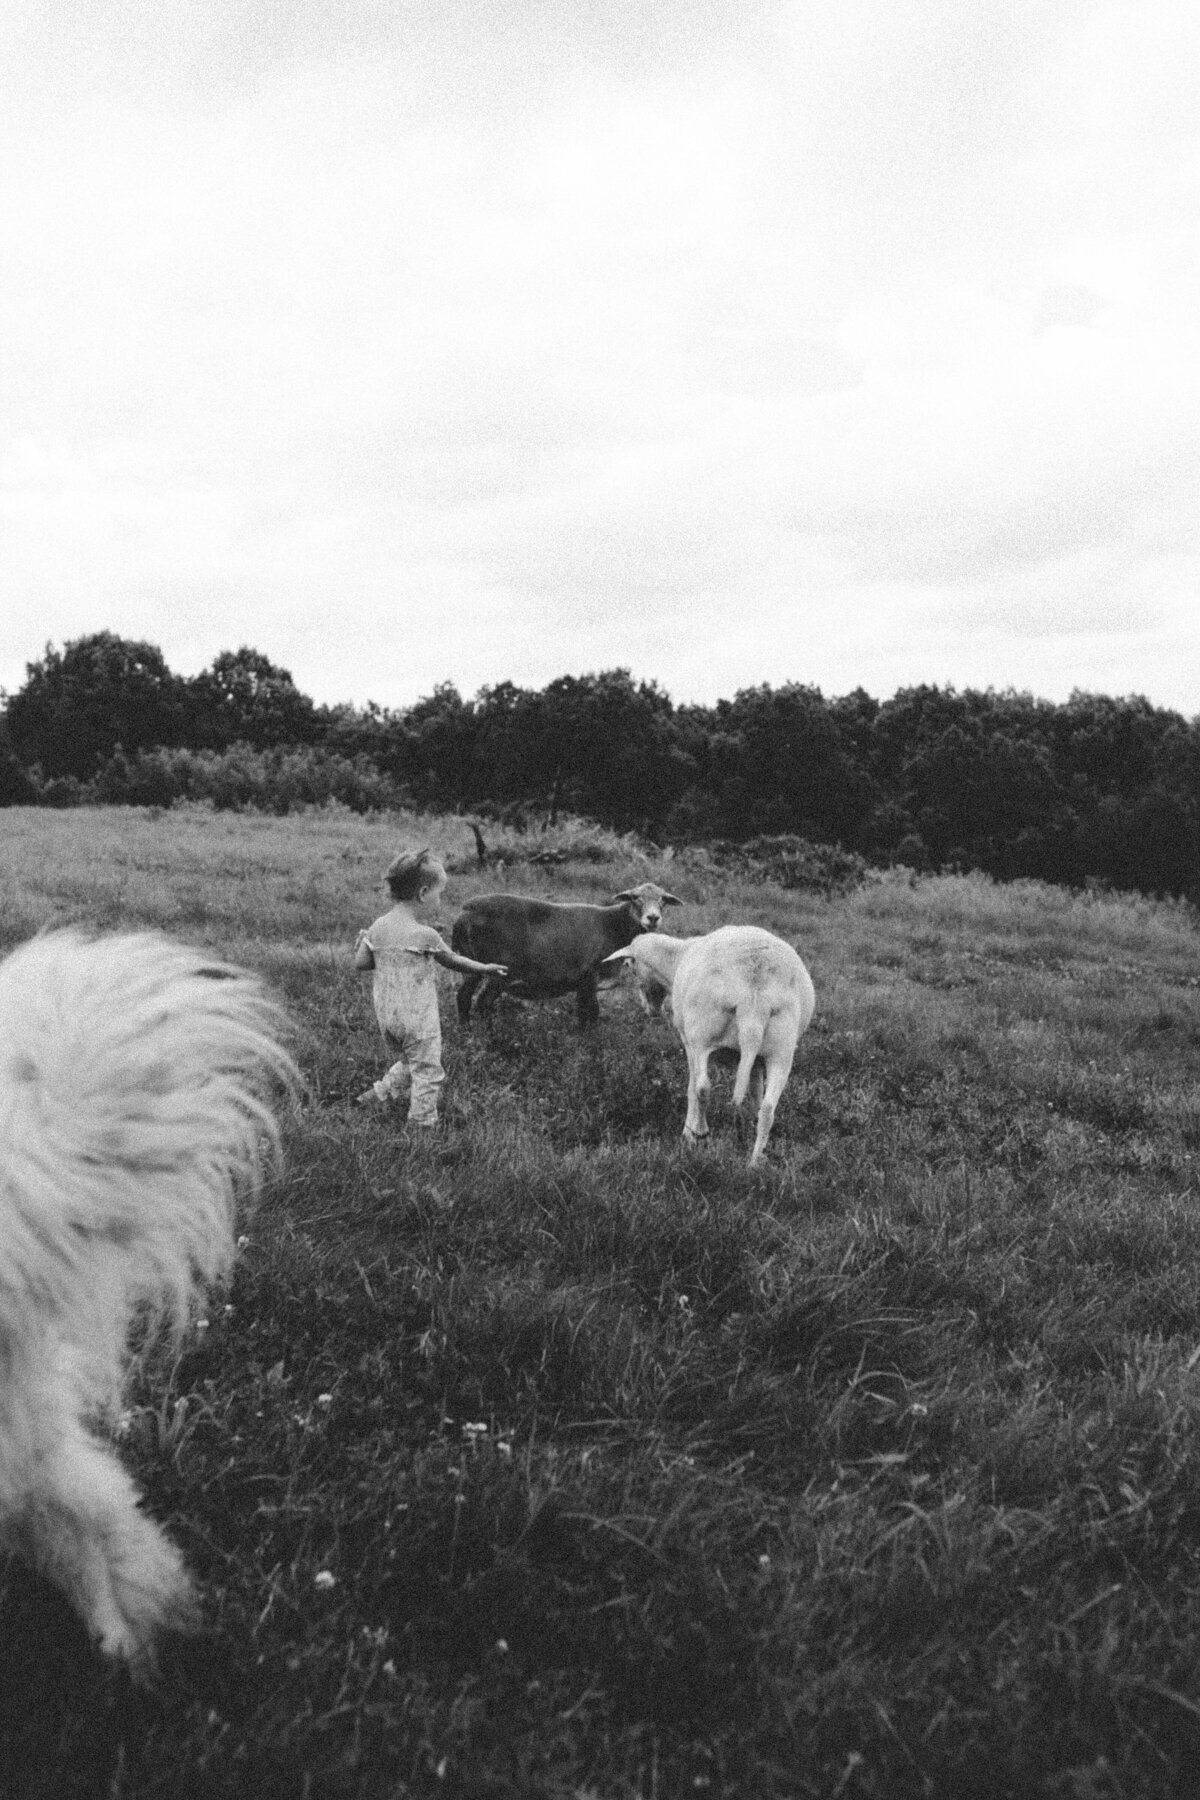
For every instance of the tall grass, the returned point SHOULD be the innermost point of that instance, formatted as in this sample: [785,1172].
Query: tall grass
[551,1458]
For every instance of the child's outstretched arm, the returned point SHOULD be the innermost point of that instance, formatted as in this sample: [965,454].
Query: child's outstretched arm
[364,956]
[463,965]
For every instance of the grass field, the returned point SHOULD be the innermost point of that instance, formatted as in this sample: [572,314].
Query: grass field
[549,1458]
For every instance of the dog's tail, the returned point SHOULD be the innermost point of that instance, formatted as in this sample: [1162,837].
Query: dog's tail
[136,1086]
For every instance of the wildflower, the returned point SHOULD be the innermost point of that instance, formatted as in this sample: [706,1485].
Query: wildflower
[324,1578]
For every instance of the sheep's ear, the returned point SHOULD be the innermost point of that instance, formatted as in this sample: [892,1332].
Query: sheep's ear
[618,956]
[627,894]
[671,900]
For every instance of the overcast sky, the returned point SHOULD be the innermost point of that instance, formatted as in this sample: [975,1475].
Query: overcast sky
[418,340]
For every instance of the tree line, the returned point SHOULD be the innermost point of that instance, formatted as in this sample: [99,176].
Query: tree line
[1093,789]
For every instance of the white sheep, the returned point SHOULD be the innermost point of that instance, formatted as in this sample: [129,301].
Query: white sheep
[739,990]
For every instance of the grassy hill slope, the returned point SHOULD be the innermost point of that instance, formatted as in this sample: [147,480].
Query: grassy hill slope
[551,1458]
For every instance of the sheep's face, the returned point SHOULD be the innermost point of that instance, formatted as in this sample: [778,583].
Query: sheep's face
[650,916]
[646,903]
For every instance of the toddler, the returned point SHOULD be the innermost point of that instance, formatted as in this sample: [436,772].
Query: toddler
[402,951]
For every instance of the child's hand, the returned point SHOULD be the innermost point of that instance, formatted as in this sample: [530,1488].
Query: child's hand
[497,968]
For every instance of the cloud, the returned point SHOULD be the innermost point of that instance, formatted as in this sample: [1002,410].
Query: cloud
[735,342]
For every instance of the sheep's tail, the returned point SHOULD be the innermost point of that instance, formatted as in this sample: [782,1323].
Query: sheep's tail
[751,1029]
[136,1087]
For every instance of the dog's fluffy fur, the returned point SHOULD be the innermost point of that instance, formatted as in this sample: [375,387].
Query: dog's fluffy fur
[136,1080]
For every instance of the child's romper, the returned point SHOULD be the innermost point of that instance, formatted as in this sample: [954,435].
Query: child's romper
[406,1005]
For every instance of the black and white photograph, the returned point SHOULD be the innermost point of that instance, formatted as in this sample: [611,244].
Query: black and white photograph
[599,900]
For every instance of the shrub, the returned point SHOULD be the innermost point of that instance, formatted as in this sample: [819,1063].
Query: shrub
[794,862]
[151,779]
[239,779]
[17,786]
[572,840]
[61,790]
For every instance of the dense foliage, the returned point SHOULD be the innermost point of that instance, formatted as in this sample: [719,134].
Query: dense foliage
[1096,789]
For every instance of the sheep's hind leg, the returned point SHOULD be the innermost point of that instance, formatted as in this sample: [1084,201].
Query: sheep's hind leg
[699,1085]
[752,1106]
[777,1075]
[757,1077]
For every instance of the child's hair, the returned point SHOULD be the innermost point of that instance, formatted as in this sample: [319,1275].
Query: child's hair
[409,872]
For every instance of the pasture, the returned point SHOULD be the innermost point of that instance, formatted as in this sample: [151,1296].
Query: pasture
[551,1458]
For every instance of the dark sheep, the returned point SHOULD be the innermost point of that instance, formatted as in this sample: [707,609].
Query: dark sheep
[550,946]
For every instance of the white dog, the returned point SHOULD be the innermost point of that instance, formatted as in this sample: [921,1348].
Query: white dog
[135,1086]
